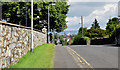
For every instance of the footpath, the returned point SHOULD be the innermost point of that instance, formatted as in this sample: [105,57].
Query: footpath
[63,59]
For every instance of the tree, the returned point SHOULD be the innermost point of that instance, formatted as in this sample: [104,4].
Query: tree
[95,24]
[111,25]
[16,12]
[96,33]
[84,31]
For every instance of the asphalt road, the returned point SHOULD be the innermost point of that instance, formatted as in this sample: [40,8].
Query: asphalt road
[99,56]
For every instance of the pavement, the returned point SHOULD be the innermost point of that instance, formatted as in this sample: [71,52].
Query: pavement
[82,56]
[63,59]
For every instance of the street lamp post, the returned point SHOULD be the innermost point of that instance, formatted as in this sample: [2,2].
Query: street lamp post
[48,41]
[48,26]
[31,25]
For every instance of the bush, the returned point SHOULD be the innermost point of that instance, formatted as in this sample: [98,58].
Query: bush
[84,31]
[65,42]
[78,40]
[95,33]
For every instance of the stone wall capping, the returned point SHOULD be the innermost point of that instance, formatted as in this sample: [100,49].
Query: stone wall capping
[11,24]
[15,25]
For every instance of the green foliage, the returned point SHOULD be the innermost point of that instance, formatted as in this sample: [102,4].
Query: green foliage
[61,40]
[111,25]
[116,32]
[56,36]
[84,31]
[16,12]
[95,24]
[96,33]
[65,42]
[78,40]
[72,37]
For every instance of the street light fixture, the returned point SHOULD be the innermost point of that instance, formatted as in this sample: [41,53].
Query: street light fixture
[39,9]
[39,16]
[53,4]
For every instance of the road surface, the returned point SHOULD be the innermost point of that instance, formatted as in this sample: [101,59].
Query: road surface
[81,56]
[99,56]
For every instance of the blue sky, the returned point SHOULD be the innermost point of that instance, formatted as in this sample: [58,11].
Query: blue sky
[102,11]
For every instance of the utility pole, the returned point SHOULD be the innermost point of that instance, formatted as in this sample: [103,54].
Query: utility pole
[82,25]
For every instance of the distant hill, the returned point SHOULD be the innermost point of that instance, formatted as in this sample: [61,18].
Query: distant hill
[69,32]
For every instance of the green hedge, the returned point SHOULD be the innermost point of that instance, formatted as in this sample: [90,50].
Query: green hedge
[78,40]
[96,33]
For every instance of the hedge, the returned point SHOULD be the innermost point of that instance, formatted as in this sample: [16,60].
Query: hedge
[78,40]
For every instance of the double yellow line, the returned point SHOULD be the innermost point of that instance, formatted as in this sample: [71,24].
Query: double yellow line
[81,58]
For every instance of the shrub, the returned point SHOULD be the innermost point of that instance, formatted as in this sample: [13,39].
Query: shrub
[78,40]
[84,31]
[65,42]
[95,33]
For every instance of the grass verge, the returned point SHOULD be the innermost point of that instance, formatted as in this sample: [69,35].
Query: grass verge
[41,57]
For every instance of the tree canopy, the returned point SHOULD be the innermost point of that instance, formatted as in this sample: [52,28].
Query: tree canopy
[95,33]
[95,24]
[111,25]
[84,31]
[16,12]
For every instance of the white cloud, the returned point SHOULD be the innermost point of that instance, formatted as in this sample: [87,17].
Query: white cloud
[101,14]
[73,23]
[93,0]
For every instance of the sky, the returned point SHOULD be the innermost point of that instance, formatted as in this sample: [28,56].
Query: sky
[102,11]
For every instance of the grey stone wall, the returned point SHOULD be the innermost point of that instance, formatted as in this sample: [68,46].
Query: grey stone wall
[15,42]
